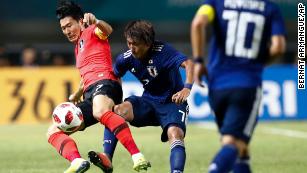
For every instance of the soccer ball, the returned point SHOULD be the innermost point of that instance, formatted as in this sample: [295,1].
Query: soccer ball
[67,117]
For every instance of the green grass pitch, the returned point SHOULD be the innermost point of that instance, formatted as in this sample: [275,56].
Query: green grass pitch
[277,147]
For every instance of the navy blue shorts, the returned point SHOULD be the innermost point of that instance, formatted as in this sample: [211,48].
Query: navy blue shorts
[150,113]
[236,111]
[110,88]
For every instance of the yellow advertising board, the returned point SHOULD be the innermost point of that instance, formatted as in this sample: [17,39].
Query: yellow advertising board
[29,95]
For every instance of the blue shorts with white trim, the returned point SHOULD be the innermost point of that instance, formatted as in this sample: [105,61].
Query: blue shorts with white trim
[236,110]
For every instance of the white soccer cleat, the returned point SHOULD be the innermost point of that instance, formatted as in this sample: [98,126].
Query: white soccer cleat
[78,165]
[139,162]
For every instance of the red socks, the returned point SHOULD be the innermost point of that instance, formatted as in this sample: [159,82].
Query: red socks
[65,145]
[121,130]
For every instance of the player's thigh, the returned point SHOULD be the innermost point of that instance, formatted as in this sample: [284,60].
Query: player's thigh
[170,115]
[105,94]
[101,104]
[218,103]
[87,112]
[242,113]
[143,112]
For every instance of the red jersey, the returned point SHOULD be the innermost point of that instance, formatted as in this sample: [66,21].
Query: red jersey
[93,56]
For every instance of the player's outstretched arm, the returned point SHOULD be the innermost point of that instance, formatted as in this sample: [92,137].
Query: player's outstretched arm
[90,19]
[182,95]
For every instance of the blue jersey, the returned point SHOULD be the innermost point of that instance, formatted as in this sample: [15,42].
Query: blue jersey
[159,72]
[242,30]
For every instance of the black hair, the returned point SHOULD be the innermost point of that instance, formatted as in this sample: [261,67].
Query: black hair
[69,8]
[140,30]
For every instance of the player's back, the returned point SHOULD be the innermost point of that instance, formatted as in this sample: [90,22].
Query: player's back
[242,30]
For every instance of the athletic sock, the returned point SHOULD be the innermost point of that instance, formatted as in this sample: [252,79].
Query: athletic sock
[120,129]
[242,165]
[110,142]
[65,145]
[177,157]
[224,160]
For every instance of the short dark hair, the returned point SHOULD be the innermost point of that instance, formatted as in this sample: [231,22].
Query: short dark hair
[69,8]
[140,30]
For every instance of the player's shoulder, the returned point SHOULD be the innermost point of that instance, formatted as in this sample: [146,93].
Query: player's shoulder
[125,55]
[158,46]
[271,6]
[162,47]
[90,28]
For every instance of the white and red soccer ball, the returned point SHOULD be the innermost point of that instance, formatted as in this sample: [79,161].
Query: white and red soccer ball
[67,117]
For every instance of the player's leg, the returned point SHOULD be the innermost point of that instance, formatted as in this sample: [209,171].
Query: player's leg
[110,141]
[67,148]
[252,97]
[178,155]
[104,99]
[242,164]
[238,124]
[225,158]
[173,122]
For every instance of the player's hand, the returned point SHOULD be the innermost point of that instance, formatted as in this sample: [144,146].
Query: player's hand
[181,96]
[199,72]
[89,19]
[75,97]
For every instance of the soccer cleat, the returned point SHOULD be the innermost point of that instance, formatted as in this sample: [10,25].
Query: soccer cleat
[101,160]
[140,163]
[78,165]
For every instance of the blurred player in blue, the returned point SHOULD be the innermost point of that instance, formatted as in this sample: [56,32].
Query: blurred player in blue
[246,35]
[163,103]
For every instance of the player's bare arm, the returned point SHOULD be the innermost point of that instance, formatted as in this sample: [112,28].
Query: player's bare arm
[76,97]
[198,34]
[278,47]
[90,19]
[182,95]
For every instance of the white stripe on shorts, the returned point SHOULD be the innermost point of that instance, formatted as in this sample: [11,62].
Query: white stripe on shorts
[249,127]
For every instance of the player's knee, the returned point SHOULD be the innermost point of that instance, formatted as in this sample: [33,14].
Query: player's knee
[101,105]
[98,112]
[52,130]
[228,140]
[175,133]
[124,110]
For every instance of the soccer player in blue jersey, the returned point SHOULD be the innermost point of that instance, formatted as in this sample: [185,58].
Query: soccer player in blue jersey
[246,35]
[163,103]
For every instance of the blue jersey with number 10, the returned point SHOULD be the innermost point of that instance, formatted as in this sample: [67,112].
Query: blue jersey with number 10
[242,30]
[159,72]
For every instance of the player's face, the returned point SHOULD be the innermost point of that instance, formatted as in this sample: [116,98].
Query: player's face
[138,48]
[71,28]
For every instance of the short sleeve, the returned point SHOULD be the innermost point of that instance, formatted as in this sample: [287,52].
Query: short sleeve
[174,58]
[277,22]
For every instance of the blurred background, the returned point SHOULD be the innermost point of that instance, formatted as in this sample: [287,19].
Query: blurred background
[37,60]
[37,72]
[30,34]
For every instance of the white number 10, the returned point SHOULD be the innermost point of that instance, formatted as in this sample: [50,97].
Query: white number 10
[236,33]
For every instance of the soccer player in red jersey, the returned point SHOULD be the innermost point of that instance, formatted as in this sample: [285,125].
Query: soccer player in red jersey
[100,88]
